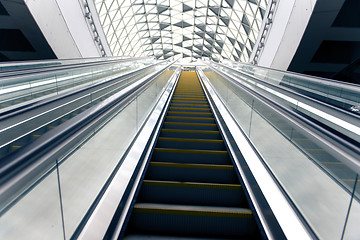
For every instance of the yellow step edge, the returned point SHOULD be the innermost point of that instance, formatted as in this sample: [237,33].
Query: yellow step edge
[192,184]
[186,210]
[189,89]
[190,131]
[192,165]
[15,147]
[174,150]
[190,118]
[190,104]
[188,98]
[186,101]
[189,94]
[191,124]
[190,140]
[189,108]
[192,113]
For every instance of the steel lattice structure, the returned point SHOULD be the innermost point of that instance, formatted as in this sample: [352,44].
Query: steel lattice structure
[189,29]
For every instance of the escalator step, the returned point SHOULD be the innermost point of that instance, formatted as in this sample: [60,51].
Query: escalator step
[192,193]
[187,143]
[197,105]
[190,119]
[191,156]
[190,109]
[195,134]
[188,101]
[163,237]
[190,188]
[190,126]
[177,113]
[183,220]
[190,172]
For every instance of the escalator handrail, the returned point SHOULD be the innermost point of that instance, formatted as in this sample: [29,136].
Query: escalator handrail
[346,118]
[349,152]
[315,79]
[41,155]
[48,69]
[288,90]
[292,226]
[32,106]
[123,185]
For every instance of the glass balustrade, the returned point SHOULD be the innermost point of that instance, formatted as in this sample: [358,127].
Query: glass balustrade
[61,198]
[320,184]
[343,95]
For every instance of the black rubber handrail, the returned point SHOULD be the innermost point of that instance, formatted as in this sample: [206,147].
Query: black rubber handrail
[22,168]
[304,76]
[290,92]
[13,112]
[349,152]
[49,69]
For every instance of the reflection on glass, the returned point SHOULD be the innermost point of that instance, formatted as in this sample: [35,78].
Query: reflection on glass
[317,182]
[37,215]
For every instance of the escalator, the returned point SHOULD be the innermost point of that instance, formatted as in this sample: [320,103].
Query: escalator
[190,188]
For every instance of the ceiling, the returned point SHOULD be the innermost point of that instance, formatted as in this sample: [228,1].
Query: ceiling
[188,29]
[20,36]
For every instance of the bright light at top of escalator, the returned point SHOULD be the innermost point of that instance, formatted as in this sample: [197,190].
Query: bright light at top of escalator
[189,29]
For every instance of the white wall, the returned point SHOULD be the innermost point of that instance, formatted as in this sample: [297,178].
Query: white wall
[289,24]
[64,26]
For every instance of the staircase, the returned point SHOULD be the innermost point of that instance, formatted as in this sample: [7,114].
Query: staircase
[190,189]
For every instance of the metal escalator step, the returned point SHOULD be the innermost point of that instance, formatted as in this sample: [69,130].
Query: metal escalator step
[191,90]
[162,237]
[189,94]
[189,98]
[191,165]
[190,140]
[191,126]
[172,113]
[190,220]
[175,184]
[190,109]
[194,134]
[190,119]
[192,193]
[190,143]
[190,105]
[190,131]
[232,212]
[191,151]
[189,101]
[190,156]
[190,172]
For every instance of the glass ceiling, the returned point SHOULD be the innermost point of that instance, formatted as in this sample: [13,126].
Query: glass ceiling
[189,29]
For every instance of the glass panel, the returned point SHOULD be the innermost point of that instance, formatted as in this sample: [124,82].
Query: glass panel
[84,173]
[37,215]
[346,96]
[275,84]
[315,179]
[352,224]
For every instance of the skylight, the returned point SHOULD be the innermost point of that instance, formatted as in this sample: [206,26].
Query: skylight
[189,29]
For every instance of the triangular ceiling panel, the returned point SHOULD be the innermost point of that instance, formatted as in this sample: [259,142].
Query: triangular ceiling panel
[166,28]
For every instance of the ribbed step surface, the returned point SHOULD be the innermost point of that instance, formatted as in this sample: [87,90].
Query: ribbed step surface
[190,189]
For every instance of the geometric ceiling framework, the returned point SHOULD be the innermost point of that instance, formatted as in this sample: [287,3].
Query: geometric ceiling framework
[188,29]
